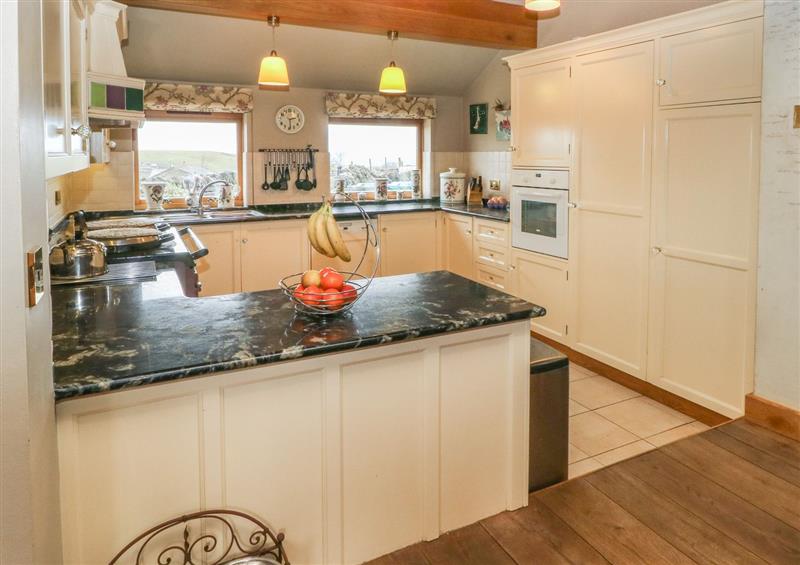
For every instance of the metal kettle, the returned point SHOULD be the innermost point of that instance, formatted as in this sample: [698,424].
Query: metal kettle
[75,259]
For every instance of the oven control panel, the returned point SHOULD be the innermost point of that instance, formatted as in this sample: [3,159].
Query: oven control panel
[540,178]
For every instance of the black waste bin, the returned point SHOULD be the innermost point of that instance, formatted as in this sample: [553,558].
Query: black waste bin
[549,431]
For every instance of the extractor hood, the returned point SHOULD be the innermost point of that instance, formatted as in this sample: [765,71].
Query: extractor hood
[115,100]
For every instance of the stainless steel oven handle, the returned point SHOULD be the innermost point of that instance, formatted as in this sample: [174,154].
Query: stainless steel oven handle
[200,249]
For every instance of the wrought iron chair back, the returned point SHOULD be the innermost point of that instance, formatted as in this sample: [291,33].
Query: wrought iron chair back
[209,537]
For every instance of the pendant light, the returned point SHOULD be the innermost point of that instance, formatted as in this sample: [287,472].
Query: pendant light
[273,74]
[542,5]
[393,80]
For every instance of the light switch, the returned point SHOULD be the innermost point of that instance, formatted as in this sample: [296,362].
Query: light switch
[35,276]
[796,120]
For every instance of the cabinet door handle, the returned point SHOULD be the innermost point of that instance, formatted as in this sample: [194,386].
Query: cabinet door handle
[661,82]
[656,250]
[572,204]
[468,231]
[83,131]
[244,240]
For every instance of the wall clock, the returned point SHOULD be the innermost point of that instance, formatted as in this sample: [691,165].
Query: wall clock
[290,119]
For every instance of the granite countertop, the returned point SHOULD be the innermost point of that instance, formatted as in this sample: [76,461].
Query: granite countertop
[114,336]
[341,210]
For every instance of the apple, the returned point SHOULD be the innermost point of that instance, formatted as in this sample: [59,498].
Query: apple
[332,279]
[311,278]
[332,298]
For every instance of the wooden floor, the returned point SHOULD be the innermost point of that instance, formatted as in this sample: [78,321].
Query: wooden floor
[728,495]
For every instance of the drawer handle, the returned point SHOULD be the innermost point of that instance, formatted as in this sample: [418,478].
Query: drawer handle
[661,82]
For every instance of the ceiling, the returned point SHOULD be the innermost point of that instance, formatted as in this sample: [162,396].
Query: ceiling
[199,48]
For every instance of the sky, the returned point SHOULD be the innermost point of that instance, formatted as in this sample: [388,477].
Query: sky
[359,143]
[188,136]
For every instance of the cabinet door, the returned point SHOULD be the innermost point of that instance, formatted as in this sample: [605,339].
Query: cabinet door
[55,40]
[408,243]
[717,63]
[272,251]
[78,82]
[542,280]
[458,245]
[611,186]
[542,132]
[354,235]
[219,271]
[706,179]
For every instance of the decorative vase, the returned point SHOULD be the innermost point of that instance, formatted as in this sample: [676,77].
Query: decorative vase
[227,195]
[154,192]
[381,189]
[452,186]
[416,183]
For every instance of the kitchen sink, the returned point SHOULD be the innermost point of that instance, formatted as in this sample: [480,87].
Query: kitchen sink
[193,217]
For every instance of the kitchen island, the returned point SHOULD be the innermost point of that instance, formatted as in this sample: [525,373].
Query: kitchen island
[354,435]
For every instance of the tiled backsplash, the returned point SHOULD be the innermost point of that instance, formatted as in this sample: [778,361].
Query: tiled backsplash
[491,165]
[105,187]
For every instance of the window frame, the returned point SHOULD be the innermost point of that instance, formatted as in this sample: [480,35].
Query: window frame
[169,116]
[418,123]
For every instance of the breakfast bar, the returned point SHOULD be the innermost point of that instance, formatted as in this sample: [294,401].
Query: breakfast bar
[333,427]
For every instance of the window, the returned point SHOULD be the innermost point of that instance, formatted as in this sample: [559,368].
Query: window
[186,149]
[364,150]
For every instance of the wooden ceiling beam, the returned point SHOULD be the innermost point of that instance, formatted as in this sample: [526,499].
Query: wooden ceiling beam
[482,23]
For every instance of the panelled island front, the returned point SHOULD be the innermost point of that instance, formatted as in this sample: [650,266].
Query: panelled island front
[354,435]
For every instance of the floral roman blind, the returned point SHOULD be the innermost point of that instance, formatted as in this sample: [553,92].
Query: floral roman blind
[355,105]
[197,98]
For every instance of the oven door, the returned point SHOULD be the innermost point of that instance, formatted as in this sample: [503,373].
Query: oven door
[539,220]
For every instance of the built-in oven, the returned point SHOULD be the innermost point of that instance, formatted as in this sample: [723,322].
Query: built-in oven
[540,211]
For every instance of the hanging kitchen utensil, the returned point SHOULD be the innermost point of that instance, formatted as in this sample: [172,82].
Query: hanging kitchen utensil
[313,168]
[275,184]
[265,186]
[285,173]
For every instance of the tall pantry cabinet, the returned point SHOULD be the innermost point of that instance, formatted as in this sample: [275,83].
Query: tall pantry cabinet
[663,125]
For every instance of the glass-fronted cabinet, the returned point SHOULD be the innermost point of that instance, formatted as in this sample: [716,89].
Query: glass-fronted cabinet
[64,58]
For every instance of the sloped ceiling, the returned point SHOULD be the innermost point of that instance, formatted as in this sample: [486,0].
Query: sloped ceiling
[197,48]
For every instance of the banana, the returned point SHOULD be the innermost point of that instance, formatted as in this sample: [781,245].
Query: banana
[311,230]
[335,238]
[320,233]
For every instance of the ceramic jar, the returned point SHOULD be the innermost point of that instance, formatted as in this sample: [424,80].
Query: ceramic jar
[381,189]
[416,184]
[452,186]
[227,195]
[154,194]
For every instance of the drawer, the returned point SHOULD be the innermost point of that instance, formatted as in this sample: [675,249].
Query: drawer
[492,255]
[488,231]
[492,277]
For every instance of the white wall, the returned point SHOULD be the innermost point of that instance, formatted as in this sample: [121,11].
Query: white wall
[778,315]
[29,514]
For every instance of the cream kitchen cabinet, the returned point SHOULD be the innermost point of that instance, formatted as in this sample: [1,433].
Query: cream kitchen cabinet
[408,243]
[542,280]
[64,58]
[542,103]
[354,234]
[703,267]
[271,251]
[611,188]
[713,64]
[220,270]
[458,245]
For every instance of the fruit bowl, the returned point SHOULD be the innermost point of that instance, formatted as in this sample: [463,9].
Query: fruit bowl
[349,286]
[325,303]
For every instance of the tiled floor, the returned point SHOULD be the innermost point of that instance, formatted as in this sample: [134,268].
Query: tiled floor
[609,422]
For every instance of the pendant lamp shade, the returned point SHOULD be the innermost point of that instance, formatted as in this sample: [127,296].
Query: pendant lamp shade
[393,79]
[273,74]
[542,5]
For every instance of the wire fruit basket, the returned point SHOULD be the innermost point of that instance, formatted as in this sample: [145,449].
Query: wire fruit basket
[328,304]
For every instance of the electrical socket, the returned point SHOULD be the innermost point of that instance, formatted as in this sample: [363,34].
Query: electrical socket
[58,197]
[494,184]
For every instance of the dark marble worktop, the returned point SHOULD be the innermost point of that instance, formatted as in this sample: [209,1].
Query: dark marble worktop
[114,336]
[341,210]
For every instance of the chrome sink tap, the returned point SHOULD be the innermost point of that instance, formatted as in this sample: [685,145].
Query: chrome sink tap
[199,208]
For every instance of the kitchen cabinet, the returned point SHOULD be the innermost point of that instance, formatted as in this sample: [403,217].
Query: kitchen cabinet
[354,234]
[458,257]
[220,271]
[713,64]
[64,59]
[271,251]
[543,280]
[408,243]
[702,286]
[542,103]
[611,189]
